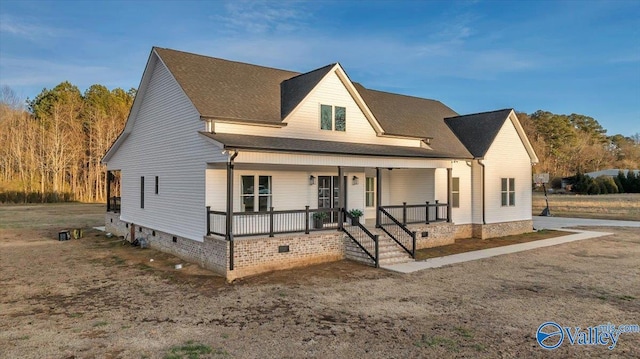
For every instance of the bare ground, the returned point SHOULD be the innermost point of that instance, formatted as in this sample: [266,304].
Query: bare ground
[97,298]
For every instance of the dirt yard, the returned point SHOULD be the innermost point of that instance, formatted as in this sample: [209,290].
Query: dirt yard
[97,298]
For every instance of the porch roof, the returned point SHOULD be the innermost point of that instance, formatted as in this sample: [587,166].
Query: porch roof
[280,144]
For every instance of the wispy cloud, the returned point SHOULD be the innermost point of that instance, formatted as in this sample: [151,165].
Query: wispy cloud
[29,30]
[260,17]
[32,72]
[630,58]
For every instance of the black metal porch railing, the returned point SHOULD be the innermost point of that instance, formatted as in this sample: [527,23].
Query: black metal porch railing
[113,204]
[398,232]
[363,238]
[273,222]
[419,213]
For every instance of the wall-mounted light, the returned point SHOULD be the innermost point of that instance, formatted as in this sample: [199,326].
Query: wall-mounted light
[312,180]
[354,180]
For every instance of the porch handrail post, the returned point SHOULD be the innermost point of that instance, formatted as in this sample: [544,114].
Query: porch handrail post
[108,191]
[229,219]
[378,195]
[271,222]
[413,248]
[208,220]
[306,219]
[341,204]
[437,211]
[375,238]
[404,213]
[449,193]
[426,213]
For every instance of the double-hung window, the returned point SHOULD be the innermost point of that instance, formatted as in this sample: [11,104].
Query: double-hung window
[508,191]
[455,192]
[369,192]
[255,193]
[333,117]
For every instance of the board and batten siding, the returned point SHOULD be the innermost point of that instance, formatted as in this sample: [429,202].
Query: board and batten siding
[414,186]
[507,158]
[290,189]
[164,142]
[459,169]
[304,122]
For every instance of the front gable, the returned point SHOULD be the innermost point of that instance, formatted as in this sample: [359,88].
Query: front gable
[511,142]
[334,89]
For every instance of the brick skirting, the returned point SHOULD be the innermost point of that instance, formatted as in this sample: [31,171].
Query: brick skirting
[255,255]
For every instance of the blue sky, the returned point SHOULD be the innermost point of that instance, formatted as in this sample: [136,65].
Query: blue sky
[564,57]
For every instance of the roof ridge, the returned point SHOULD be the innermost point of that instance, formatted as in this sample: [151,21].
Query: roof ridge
[312,71]
[480,113]
[398,94]
[225,60]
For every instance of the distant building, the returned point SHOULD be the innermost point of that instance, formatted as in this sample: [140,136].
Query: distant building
[610,172]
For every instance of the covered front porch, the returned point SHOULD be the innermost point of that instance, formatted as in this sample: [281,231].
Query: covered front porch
[248,200]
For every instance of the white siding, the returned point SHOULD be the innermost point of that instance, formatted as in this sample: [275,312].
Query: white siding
[290,189]
[507,158]
[164,142]
[305,121]
[414,186]
[336,160]
[476,192]
[459,169]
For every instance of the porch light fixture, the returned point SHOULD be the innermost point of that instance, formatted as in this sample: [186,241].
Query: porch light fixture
[354,180]
[312,180]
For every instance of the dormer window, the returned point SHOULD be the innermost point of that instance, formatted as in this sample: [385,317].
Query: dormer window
[333,117]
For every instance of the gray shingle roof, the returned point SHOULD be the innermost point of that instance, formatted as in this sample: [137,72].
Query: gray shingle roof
[413,116]
[278,144]
[477,131]
[227,89]
[295,89]
[232,90]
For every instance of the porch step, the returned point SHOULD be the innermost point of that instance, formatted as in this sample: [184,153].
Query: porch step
[388,250]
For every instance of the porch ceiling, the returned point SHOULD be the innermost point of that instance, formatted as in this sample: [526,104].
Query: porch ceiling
[297,145]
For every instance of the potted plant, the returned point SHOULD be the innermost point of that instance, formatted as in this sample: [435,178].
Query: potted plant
[355,216]
[318,219]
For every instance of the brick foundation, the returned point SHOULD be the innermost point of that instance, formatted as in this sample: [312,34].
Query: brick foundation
[437,234]
[493,230]
[257,255]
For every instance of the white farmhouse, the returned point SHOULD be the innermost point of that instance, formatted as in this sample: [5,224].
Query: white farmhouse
[246,169]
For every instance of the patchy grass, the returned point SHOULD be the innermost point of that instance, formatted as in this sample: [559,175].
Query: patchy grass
[436,341]
[100,324]
[624,206]
[193,350]
[474,244]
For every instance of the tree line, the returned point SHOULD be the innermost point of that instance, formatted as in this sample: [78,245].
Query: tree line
[51,146]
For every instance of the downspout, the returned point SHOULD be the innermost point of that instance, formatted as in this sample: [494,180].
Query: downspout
[483,199]
[229,223]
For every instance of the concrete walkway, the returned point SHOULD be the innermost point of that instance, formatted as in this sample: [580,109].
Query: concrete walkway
[539,223]
[560,222]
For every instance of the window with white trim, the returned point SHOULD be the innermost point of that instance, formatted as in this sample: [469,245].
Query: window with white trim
[333,118]
[255,193]
[508,191]
[369,192]
[455,192]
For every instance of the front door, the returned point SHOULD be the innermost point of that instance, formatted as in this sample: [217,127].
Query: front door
[329,194]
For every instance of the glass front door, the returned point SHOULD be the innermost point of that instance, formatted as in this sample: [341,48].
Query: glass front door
[329,194]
